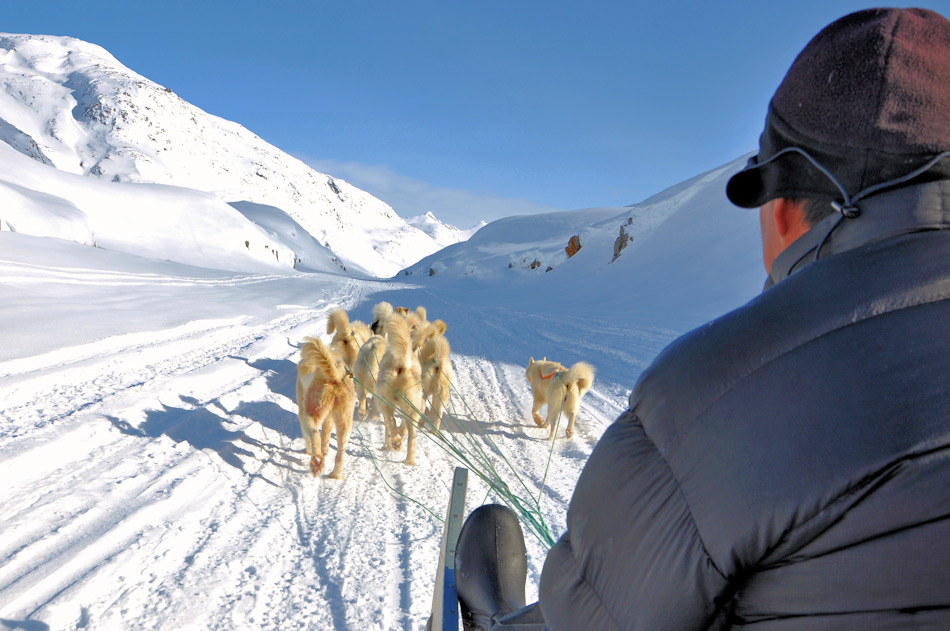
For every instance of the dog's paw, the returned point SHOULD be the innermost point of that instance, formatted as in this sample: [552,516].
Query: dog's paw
[569,433]
[316,466]
[538,420]
[411,462]
[397,443]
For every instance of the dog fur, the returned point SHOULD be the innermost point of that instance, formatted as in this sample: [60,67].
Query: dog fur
[417,319]
[399,387]
[325,395]
[560,388]
[381,313]
[437,375]
[366,371]
[420,334]
[348,336]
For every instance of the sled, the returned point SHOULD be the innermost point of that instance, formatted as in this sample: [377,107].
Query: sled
[445,599]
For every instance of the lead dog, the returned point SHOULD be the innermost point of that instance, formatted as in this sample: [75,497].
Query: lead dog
[325,395]
[560,388]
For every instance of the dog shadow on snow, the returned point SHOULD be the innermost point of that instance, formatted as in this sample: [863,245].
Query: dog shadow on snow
[203,429]
[464,424]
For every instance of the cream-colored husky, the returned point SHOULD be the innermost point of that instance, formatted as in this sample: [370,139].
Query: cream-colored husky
[348,336]
[325,395]
[437,375]
[366,370]
[399,387]
[560,388]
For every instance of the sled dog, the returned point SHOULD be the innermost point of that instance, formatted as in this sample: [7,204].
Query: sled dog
[399,387]
[560,388]
[366,370]
[348,336]
[325,396]
[437,376]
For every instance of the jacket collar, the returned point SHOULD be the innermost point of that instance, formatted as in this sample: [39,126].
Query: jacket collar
[900,211]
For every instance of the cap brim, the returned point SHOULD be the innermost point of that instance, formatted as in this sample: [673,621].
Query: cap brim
[745,189]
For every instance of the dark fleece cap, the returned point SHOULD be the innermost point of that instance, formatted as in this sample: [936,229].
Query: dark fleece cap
[868,98]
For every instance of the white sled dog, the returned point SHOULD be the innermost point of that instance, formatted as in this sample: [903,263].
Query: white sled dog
[399,387]
[560,388]
[366,371]
[437,376]
[348,336]
[325,396]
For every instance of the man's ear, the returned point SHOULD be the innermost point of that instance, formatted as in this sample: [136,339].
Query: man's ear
[782,221]
[789,218]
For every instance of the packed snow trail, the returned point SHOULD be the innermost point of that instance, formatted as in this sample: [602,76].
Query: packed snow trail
[156,479]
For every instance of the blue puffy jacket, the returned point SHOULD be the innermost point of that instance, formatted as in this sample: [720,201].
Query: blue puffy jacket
[787,466]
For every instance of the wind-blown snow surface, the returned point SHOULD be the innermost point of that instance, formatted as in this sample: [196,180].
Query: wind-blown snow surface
[151,458]
[72,105]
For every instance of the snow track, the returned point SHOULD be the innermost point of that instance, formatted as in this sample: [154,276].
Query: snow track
[156,479]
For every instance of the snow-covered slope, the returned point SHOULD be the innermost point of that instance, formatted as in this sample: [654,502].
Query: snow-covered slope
[71,104]
[689,232]
[152,220]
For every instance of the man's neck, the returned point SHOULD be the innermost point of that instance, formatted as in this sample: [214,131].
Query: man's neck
[886,215]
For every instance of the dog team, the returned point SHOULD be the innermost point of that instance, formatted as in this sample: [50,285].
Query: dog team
[399,368]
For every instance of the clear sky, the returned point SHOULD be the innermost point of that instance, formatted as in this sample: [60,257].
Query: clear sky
[471,109]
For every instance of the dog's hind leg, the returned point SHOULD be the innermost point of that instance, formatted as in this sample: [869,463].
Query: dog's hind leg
[555,405]
[571,415]
[439,397]
[536,408]
[342,437]
[410,426]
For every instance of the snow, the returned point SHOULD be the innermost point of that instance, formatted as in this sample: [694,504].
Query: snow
[71,104]
[153,466]
[152,459]
[442,233]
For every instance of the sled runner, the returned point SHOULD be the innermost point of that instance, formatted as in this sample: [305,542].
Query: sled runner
[445,600]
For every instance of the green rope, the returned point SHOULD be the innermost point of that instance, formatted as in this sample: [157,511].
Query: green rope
[557,424]
[393,489]
[469,450]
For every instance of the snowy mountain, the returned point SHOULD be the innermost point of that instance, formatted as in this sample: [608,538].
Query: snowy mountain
[70,104]
[442,233]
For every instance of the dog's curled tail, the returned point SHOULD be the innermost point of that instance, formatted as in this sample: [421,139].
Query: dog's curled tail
[338,322]
[381,313]
[316,357]
[397,330]
[580,376]
[435,352]
[428,332]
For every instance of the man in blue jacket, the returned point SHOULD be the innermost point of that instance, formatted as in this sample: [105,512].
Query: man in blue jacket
[787,466]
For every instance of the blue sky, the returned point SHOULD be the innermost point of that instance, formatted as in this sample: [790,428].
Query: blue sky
[473,110]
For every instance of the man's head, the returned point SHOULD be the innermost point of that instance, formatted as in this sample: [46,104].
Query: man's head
[865,102]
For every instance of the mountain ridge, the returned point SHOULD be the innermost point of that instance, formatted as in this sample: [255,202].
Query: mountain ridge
[71,104]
